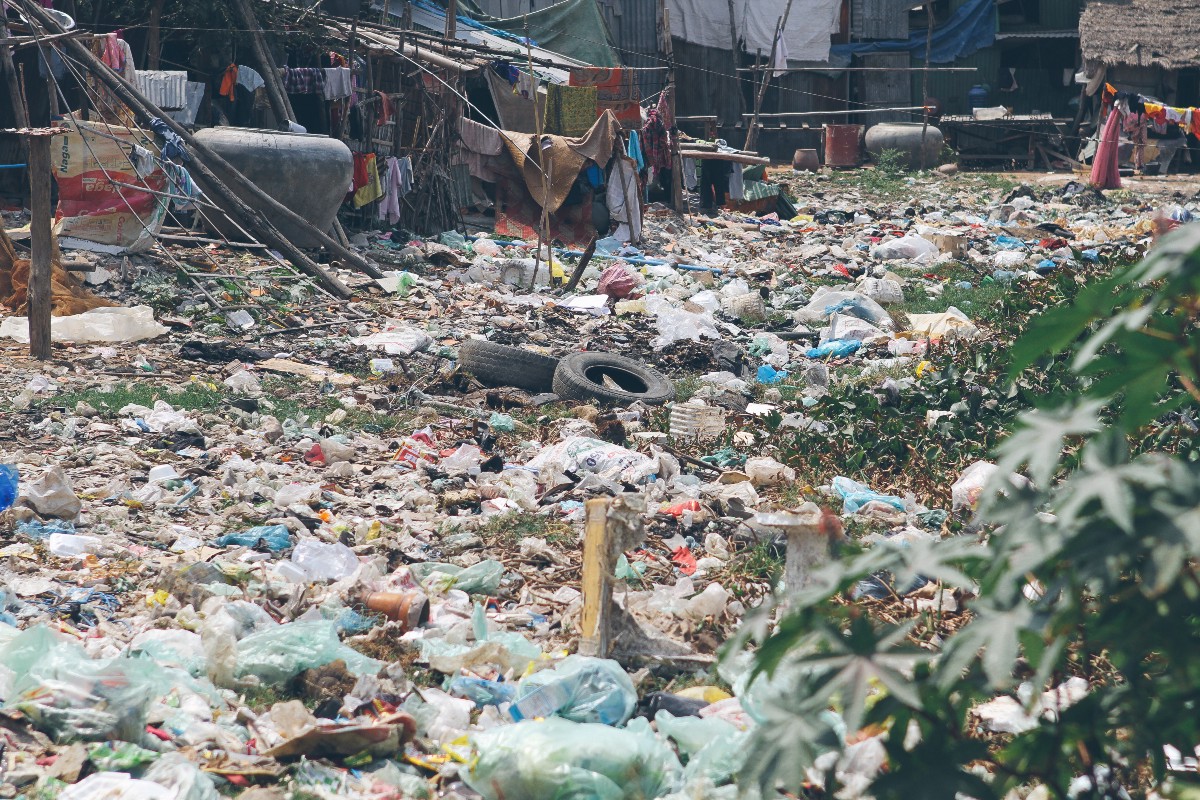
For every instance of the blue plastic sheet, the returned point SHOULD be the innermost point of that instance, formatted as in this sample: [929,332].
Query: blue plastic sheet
[8,486]
[971,27]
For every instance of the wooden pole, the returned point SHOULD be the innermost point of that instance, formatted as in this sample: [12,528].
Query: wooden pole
[452,20]
[780,27]
[281,107]
[733,41]
[20,116]
[677,201]
[925,78]
[41,245]
[255,221]
[597,580]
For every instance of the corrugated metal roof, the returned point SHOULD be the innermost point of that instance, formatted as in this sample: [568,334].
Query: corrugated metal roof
[166,89]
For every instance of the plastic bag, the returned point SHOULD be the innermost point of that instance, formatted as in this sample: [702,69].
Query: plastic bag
[826,301]
[855,495]
[183,778]
[585,454]
[834,348]
[714,749]
[396,338]
[951,324]
[97,325]
[115,786]
[481,578]
[882,290]
[557,758]
[176,648]
[578,688]
[910,246]
[274,537]
[71,697]
[325,562]
[9,481]
[51,495]
[280,653]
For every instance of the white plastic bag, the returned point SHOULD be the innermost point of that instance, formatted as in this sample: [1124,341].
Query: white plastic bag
[325,562]
[97,325]
[911,246]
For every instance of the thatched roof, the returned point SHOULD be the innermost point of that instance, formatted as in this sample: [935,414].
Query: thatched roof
[1145,33]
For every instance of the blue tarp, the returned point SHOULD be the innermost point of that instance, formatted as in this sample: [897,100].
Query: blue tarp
[971,27]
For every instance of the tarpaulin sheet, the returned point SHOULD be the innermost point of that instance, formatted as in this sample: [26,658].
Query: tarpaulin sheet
[809,24]
[971,27]
[573,28]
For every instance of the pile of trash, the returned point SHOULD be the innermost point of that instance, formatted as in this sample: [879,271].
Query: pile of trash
[347,560]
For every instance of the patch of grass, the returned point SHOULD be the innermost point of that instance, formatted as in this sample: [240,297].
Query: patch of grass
[994,180]
[983,302]
[761,562]
[193,397]
[686,388]
[508,529]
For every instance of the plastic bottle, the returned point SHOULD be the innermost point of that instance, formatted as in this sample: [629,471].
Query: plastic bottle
[694,420]
[9,480]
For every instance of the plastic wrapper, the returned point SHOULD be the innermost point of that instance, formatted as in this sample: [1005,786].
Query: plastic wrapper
[397,339]
[825,302]
[557,758]
[51,495]
[280,653]
[950,324]
[578,688]
[835,348]
[175,648]
[71,697]
[116,786]
[9,479]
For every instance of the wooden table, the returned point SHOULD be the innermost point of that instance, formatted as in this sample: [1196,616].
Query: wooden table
[1017,138]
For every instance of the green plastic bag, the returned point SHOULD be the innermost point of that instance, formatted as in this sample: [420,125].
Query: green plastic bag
[557,759]
[481,578]
[71,697]
[119,756]
[280,653]
[714,749]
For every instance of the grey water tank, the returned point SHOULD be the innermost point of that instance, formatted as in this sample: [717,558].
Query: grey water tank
[308,173]
[906,137]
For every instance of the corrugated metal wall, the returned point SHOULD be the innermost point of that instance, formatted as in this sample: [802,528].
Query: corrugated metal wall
[879,19]
[633,25]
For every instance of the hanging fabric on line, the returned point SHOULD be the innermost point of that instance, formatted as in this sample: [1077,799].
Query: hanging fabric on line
[366,180]
[303,80]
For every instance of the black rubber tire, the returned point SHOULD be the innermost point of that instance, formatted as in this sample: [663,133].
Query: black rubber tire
[501,365]
[574,380]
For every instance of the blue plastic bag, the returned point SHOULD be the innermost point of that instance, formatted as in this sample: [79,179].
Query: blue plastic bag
[835,347]
[855,495]
[275,537]
[9,478]
[768,374]
[1009,243]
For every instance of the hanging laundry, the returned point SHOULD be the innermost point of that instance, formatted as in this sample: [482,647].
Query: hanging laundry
[172,149]
[184,190]
[397,184]
[303,80]
[622,197]
[1105,171]
[249,79]
[481,149]
[737,183]
[229,81]
[634,151]
[665,107]
[656,142]
[616,91]
[113,55]
[570,110]
[384,115]
[366,180]
[143,161]
[337,83]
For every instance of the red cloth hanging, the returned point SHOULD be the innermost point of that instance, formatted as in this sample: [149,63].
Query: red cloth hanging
[1105,172]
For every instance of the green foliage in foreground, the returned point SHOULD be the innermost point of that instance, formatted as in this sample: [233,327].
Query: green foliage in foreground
[1092,575]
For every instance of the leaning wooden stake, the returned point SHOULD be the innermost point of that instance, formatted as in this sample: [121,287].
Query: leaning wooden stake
[253,217]
[597,580]
[42,246]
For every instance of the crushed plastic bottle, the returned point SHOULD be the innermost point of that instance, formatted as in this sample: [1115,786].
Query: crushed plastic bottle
[696,421]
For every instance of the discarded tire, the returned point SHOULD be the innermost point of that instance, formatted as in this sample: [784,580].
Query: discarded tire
[582,376]
[500,365]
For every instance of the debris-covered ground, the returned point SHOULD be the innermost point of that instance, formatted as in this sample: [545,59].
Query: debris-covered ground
[290,544]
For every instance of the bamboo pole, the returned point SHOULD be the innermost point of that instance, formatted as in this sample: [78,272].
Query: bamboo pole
[41,245]
[781,26]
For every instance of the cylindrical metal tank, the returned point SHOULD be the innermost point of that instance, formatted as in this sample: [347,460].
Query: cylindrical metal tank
[843,145]
[906,137]
[308,173]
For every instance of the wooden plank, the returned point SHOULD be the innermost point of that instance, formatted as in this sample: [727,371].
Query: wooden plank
[597,580]
[42,247]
